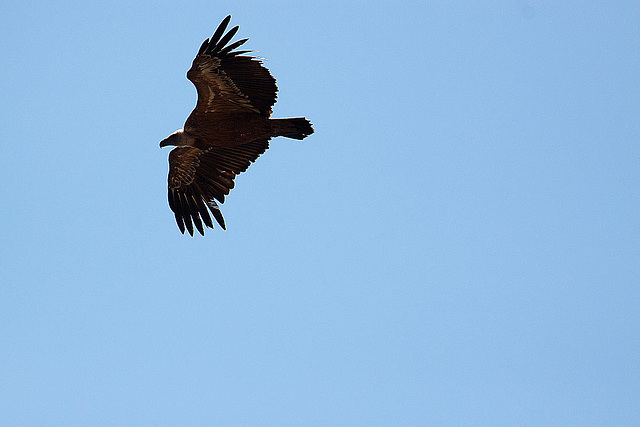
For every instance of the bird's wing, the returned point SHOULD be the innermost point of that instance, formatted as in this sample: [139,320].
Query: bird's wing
[227,81]
[197,178]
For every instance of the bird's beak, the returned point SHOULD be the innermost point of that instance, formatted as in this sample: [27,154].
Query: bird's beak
[164,143]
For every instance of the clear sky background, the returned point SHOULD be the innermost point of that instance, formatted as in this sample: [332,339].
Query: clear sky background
[458,242]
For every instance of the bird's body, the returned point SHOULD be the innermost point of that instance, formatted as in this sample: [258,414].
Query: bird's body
[229,128]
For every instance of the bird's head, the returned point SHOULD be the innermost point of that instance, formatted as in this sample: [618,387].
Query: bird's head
[173,139]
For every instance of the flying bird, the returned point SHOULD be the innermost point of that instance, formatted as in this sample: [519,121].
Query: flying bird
[229,128]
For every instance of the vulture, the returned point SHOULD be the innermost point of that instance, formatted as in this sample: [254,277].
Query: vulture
[229,128]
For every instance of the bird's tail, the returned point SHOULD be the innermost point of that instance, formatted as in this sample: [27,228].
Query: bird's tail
[296,128]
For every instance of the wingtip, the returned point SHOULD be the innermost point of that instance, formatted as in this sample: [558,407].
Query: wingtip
[218,33]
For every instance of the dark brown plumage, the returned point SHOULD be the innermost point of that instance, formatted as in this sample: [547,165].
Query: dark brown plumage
[228,129]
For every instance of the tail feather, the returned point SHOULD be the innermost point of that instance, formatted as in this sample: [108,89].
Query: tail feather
[296,128]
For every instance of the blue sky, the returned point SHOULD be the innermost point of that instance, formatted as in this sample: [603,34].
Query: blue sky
[458,243]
